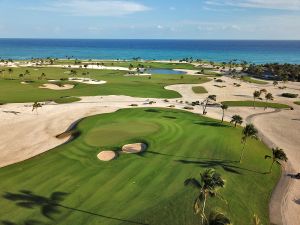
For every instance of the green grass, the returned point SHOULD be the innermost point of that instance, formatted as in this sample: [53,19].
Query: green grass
[117,84]
[145,188]
[257,104]
[251,80]
[64,100]
[199,90]
[297,103]
[157,65]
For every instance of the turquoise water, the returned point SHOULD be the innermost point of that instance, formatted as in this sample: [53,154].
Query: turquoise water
[221,50]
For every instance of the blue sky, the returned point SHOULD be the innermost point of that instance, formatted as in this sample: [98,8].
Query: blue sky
[176,19]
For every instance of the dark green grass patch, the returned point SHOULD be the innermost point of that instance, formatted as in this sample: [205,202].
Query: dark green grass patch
[199,90]
[257,104]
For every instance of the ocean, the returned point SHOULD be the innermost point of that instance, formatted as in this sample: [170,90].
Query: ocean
[213,50]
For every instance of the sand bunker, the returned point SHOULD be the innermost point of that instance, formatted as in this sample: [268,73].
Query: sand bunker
[134,148]
[87,80]
[106,155]
[57,87]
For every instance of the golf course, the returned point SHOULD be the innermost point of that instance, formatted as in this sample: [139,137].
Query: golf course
[147,188]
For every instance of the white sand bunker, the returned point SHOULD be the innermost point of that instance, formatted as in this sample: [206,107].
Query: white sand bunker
[107,155]
[134,148]
[86,80]
[57,87]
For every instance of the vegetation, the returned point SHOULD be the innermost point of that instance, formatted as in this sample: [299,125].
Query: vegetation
[277,71]
[208,100]
[223,107]
[257,104]
[66,99]
[69,185]
[297,103]
[251,80]
[289,95]
[236,119]
[199,90]
[277,156]
[248,132]
[117,84]
[207,186]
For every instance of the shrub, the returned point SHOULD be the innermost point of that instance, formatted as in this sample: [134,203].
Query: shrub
[289,95]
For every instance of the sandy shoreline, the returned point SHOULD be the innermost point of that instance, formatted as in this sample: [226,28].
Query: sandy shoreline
[281,128]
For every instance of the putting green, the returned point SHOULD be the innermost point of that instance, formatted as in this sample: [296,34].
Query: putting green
[109,134]
[69,185]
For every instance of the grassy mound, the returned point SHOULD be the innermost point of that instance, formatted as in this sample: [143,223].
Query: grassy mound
[69,185]
[257,104]
[199,90]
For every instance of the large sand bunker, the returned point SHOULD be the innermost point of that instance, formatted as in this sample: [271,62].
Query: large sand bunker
[107,155]
[57,87]
[134,148]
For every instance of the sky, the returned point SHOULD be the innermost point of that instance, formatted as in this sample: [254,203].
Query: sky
[151,19]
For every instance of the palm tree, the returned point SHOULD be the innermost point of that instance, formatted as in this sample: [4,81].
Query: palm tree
[256,94]
[248,132]
[277,156]
[208,100]
[207,186]
[223,107]
[35,106]
[236,119]
[10,71]
[27,72]
[217,218]
[268,97]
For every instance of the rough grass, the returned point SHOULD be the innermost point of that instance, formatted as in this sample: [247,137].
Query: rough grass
[257,104]
[252,80]
[117,84]
[199,90]
[297,103]
[138,189]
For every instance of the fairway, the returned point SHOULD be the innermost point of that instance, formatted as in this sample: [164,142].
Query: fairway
[257,104]
[69,185]
[12,91]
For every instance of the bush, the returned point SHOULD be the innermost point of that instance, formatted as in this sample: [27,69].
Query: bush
[189,108]
[289,95]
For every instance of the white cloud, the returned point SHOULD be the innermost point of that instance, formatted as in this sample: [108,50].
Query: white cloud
[263,4]
[92,7]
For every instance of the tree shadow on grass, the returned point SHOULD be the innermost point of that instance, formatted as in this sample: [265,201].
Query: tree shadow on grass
[152,110]
[226,165]
[26,222]
[212,124]
[49,206]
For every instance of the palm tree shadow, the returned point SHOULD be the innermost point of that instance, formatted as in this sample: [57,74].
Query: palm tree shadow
[26,222]
[49,206]
[211,124]
[226,165]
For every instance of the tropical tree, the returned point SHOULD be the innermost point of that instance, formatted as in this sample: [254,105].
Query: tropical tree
[268,97]
[248,132]
[277,156]
[207,186]
[223,107]
[256,94]
[10,71]
[236,119]
[210,98]
[35,106]
[217,218]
